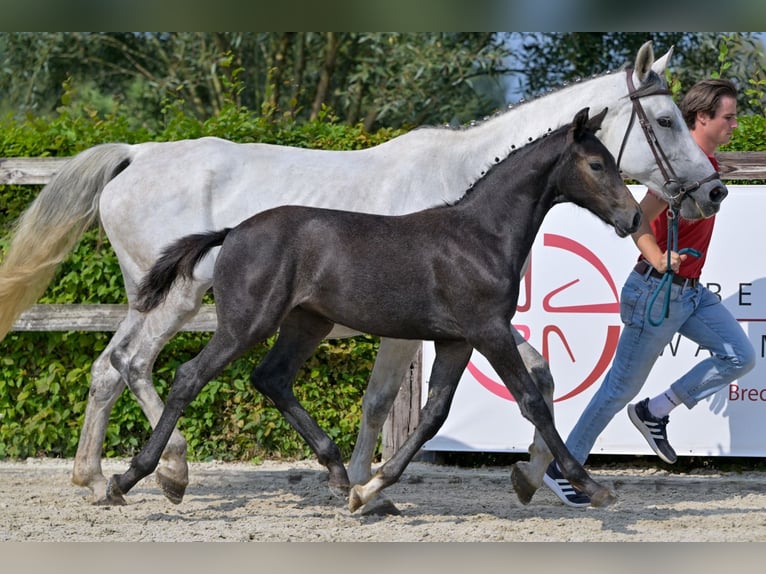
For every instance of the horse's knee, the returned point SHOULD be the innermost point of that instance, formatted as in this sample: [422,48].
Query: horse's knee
[106,384]
[377,404]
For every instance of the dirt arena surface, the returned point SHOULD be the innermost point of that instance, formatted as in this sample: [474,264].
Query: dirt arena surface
[290,502]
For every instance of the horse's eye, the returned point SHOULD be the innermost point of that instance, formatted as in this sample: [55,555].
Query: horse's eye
[665,122]
[596,165]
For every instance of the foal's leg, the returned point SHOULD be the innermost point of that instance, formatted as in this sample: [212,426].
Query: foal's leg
[189,380]
[527,477]
[506,360]
[299,335]
[449,364]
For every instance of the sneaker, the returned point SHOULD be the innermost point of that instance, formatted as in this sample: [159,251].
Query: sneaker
[653,430]
[568,494]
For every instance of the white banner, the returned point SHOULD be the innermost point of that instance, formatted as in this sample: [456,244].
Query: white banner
[569,311]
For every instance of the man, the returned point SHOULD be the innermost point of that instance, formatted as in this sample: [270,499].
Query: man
[710,111]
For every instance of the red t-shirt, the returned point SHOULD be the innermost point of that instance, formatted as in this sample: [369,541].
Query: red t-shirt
[691,233]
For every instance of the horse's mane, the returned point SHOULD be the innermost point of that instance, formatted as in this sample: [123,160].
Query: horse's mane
[652,78]
[650,84]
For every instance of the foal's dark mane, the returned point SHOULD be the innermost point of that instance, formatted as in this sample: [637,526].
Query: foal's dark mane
[518,156]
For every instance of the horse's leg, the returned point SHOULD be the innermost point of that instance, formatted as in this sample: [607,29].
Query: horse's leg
[527,477]
[299,335]
[105,387]
[391,366]
[506,360]
[449,364]
[190,378]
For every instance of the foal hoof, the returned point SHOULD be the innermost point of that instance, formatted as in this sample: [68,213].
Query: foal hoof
[114,496]
[355,501]
[522,485]
[603,497]
[173,490]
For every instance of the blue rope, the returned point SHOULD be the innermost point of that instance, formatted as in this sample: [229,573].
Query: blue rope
[667,278]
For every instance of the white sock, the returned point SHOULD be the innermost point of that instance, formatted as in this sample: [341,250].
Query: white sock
[661,405]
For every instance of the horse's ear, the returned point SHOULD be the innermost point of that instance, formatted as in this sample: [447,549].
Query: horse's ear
[644,61]
[594,123]
[579,124]
[662,63]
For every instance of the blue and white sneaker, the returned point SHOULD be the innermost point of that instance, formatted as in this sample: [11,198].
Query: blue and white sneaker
[654,430]
[568,494]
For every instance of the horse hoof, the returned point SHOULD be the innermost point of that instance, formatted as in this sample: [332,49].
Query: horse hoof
[522,485]
[380,507]
[603,497]
[172,489]
[354,499]
[114,496]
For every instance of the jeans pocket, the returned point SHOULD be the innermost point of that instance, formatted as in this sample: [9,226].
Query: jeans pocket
[632,303]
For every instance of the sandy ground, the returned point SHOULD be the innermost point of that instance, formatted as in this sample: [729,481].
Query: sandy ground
[289,501]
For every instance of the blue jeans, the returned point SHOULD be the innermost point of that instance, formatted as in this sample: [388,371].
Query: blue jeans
[695,313]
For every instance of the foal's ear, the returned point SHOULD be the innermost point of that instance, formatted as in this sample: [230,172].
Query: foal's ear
[594,124]
[579,124]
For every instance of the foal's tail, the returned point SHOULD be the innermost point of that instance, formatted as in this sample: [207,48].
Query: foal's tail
[178,259]
[51,226]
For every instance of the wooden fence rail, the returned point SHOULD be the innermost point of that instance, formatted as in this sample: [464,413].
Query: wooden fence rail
[72,317]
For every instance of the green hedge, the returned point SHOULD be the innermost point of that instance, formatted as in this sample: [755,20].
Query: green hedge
[44,377]
[750,135]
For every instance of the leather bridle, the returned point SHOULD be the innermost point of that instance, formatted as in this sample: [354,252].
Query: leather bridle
[676,190]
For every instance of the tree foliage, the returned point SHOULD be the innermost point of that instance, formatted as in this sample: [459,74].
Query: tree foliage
[376,79]
[380,79]
[551,59]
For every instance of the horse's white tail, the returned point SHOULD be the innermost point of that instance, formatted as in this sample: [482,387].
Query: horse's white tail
[51,226]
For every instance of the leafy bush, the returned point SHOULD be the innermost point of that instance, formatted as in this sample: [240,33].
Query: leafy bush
[45,377]
[750,135]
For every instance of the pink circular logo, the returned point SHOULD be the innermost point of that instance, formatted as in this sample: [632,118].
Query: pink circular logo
[598,361]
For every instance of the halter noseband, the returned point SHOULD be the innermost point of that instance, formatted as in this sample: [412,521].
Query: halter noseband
[671,179]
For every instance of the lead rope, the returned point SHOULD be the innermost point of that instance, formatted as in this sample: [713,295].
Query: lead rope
[668,276]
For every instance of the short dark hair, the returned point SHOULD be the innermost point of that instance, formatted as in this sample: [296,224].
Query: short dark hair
[704,97]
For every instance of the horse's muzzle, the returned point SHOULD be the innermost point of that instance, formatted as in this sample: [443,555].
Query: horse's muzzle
[697,198]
